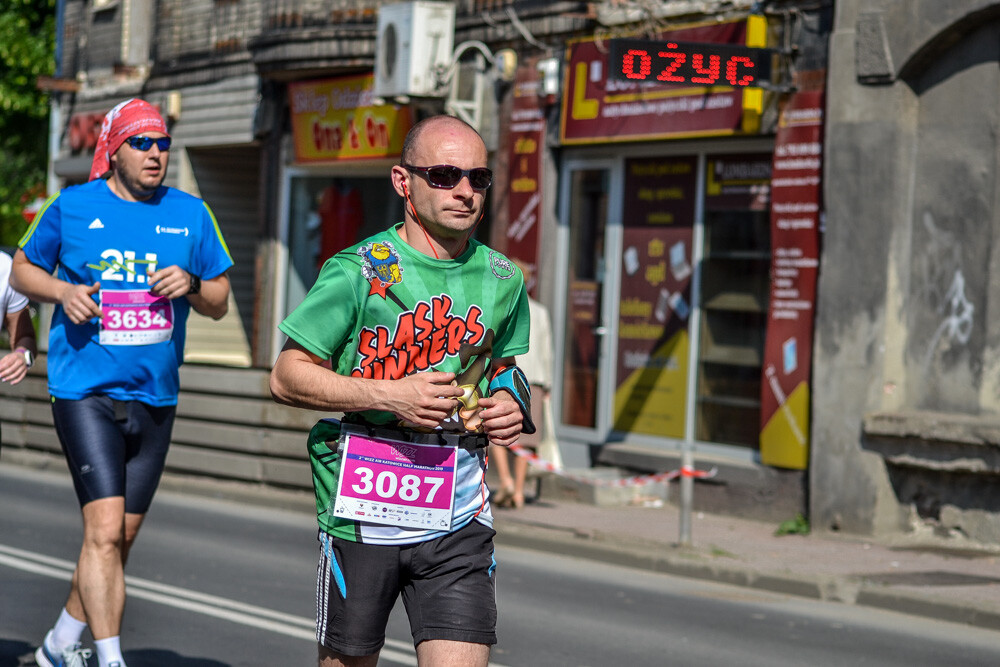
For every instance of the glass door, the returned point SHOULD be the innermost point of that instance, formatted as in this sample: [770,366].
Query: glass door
[656,281]
[582,325]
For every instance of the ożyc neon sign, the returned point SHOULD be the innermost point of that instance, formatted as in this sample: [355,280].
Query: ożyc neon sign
[688,63]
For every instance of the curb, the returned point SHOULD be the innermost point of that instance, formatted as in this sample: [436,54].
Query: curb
[930,606]
[690,563]
[674,560]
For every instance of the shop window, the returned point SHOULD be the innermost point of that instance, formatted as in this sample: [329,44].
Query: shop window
[328,214]
[734,298]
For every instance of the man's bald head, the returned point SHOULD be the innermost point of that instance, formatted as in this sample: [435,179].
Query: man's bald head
[412,141]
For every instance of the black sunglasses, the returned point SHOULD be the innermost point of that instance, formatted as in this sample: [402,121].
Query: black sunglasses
[446,176]
[141,143]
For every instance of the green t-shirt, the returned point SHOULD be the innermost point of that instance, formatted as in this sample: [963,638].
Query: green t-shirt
[383,310]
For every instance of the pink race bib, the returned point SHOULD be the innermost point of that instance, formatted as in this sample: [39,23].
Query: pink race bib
[396,483]
[135,317]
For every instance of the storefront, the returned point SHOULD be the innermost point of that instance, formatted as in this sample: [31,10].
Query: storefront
[335,187]
[669,248]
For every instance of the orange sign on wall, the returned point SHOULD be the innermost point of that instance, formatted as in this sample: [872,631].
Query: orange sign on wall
[84,129]
[336,119]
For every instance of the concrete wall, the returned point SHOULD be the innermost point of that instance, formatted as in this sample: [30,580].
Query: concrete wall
[227,430]
[905,319]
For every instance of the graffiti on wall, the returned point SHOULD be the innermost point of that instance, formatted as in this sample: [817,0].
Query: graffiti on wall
[956,326]
[955,310]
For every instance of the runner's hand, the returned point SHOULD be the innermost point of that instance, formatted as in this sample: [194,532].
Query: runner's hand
[172,282]
[13,368]
[501,418]
[78,304]
[424,399]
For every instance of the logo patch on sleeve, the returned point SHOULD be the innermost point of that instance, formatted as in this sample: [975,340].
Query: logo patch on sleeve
[502,267]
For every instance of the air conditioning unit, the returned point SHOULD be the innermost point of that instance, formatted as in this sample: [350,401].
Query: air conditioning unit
[414,40]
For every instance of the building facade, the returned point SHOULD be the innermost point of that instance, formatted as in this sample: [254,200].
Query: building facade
[696,239]
[907,346]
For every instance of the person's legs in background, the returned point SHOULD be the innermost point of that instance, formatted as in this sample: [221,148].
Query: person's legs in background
[520,475]
[499,457]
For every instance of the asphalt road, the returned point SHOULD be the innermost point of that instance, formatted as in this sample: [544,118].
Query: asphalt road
[215,583]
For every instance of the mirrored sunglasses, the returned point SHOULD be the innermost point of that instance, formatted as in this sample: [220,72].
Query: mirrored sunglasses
[141,143]
[446,176]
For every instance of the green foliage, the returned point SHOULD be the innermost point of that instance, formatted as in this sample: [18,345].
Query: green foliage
[27,47]
[797,526]
[719,552]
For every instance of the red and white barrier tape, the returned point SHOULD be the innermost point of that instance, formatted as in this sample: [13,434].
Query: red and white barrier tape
[638,480]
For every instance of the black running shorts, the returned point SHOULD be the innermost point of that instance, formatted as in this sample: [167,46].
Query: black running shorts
[114,448]
[447,586]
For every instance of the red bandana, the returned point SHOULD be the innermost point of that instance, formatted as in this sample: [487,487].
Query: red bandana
[127,119]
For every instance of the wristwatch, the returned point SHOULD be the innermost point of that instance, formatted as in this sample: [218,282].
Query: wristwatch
[195,284]
[28,357]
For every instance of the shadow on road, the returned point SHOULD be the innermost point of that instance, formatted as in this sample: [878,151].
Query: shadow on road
[15,653]
[21,654]
[151,657]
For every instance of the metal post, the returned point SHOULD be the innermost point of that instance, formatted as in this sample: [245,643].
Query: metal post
[694,330]
[687,492]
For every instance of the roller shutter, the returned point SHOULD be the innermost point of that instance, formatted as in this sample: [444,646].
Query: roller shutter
[227,179]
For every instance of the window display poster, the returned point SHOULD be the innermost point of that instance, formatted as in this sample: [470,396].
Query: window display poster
[527,139]
[738,182]
[654,305]
[336,119]
[795,212]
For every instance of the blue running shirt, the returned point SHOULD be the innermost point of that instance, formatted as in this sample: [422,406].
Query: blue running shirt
[92,235]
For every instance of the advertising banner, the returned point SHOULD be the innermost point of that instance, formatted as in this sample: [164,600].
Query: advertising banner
[599,109]
[527,141]
[335,119]
[655,303]
[738,182]
[795,214]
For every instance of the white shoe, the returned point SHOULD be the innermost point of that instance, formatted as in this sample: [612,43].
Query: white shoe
[71,656]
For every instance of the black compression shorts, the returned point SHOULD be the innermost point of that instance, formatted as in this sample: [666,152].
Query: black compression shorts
[447,586]
[114,448]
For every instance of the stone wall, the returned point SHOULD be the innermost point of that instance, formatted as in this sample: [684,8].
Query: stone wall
[906,320]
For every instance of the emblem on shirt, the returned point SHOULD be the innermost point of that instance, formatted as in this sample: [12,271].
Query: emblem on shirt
[380,267]
[122,265]
[502,267]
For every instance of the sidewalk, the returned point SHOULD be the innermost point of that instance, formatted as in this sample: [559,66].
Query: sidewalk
[924,576]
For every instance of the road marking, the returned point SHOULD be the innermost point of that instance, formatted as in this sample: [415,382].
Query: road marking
[209,605]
